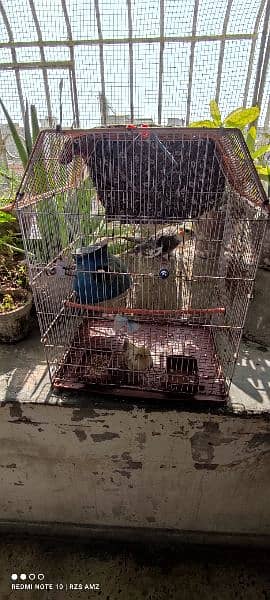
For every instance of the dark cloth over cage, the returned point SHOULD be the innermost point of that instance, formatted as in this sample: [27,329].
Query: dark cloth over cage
[144,176]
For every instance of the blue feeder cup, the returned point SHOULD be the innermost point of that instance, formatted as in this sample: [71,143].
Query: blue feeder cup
[99,276]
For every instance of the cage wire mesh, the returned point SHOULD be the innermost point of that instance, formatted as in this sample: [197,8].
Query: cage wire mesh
[117,305]
[158,62]
[142,246]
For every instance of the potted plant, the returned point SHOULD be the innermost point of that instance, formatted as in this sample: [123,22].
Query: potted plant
[15,308]
[15,296]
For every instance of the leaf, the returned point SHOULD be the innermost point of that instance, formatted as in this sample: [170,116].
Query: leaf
[6,175]
[260,152]
[17,140]
[251,138]
[40,177]
[6,217]
[27,131]
[215,113]
[241,117]
[14,248]
[206,123]
[34,122]
[263,170]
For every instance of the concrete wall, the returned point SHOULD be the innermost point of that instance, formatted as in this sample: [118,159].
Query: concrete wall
[257,325]
[126,466]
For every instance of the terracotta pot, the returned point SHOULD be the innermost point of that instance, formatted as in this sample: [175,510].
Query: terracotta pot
[14,325]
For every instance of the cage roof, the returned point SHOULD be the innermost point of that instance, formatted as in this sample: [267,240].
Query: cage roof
[52,147]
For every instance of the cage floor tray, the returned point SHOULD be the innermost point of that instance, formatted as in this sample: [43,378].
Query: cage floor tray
[184,362]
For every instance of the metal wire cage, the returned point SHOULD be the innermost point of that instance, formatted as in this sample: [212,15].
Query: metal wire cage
[142,245]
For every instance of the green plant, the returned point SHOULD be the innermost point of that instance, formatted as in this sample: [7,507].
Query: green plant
[21,278]
[13,272]
[9,183]
[12,298]
[7,304]
[42,181]
[239,118]
[9,239]
[24,147]
[242,118]
[262,167]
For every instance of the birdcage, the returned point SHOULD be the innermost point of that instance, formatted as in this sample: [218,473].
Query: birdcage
[142,245]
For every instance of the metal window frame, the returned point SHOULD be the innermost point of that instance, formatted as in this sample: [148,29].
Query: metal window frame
[73,82]
[126,40]
[222,48]
[131,62]
[191,59]
[103,102]
[43,59]
[263,58]
[14,57]
[131,40]
[252,50]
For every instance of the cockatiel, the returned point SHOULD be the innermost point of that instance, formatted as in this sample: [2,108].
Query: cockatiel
[164,242]
[136,358]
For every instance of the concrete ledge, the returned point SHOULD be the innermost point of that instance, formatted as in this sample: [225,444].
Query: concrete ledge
[107,467]
[141,535]
[24,378]
[135,467]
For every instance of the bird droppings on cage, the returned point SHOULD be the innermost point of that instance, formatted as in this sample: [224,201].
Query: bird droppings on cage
[143,266]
